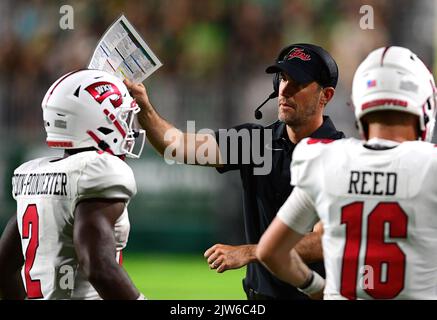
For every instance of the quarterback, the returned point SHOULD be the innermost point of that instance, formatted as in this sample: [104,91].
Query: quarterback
[380,221]
[72,224]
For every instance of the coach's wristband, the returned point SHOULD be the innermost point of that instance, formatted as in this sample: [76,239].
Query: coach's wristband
[315,284]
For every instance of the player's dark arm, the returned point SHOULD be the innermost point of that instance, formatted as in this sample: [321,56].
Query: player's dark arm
[94,242]
[309,247]
[11,261]
[164,136]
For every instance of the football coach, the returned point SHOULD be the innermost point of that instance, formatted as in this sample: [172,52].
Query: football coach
[304,80]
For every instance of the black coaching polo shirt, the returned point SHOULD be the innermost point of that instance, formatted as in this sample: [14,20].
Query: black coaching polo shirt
[263,195]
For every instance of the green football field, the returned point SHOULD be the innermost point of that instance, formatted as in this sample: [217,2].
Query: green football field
[182,277]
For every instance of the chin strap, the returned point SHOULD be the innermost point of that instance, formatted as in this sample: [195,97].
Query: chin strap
[100,143]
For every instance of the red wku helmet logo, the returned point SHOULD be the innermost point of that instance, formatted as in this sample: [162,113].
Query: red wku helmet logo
[298,53]
[102,90]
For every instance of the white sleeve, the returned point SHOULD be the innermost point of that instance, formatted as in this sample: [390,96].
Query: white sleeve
[298,212]
[106,176]
[304,162]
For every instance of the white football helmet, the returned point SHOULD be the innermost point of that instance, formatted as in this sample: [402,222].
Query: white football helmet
[394,78]
[91,108]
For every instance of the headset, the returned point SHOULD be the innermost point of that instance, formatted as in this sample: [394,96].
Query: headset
[331,77]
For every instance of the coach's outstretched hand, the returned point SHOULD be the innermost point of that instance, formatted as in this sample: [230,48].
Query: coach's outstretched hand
[139,93]
[156,127]
[224,257]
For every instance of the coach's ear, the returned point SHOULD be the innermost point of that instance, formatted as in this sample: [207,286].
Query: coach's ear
[327,94]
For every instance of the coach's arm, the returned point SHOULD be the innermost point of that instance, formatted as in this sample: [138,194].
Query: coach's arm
[94,242]
[229,257]
[157,129]
[222,257]
[11,261]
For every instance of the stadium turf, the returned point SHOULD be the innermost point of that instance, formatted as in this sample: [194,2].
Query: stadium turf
[182,277]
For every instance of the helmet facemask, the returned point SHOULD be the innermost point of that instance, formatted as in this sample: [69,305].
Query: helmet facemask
[134,137]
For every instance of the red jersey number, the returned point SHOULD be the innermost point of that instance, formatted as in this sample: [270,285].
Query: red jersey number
[379,254]
[31,229]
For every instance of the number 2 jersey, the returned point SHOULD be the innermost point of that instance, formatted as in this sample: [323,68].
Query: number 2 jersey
[378,206]
[47,191]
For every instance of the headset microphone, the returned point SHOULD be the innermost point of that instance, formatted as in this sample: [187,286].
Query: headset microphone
[258,114]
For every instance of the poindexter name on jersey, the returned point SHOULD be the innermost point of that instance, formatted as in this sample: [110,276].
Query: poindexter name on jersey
[54,183]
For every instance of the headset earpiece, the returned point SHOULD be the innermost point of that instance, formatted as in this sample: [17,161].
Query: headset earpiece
[276,82]
[276,77]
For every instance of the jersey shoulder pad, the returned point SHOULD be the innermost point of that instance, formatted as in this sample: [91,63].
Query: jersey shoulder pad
[305,156]
[425,155]
[31,165]
[309,148]
[105,176]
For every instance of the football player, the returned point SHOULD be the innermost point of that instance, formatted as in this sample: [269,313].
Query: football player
[72,224]
[376,198]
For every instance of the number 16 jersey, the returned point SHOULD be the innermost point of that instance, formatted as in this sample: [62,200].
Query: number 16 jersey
[378,205]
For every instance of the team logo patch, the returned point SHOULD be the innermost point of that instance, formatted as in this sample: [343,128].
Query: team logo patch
[299,54]
[102,90]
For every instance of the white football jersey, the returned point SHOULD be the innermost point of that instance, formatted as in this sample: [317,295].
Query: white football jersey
[379,213]
[47,191]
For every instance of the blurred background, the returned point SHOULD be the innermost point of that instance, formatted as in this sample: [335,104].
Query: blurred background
[214,53]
